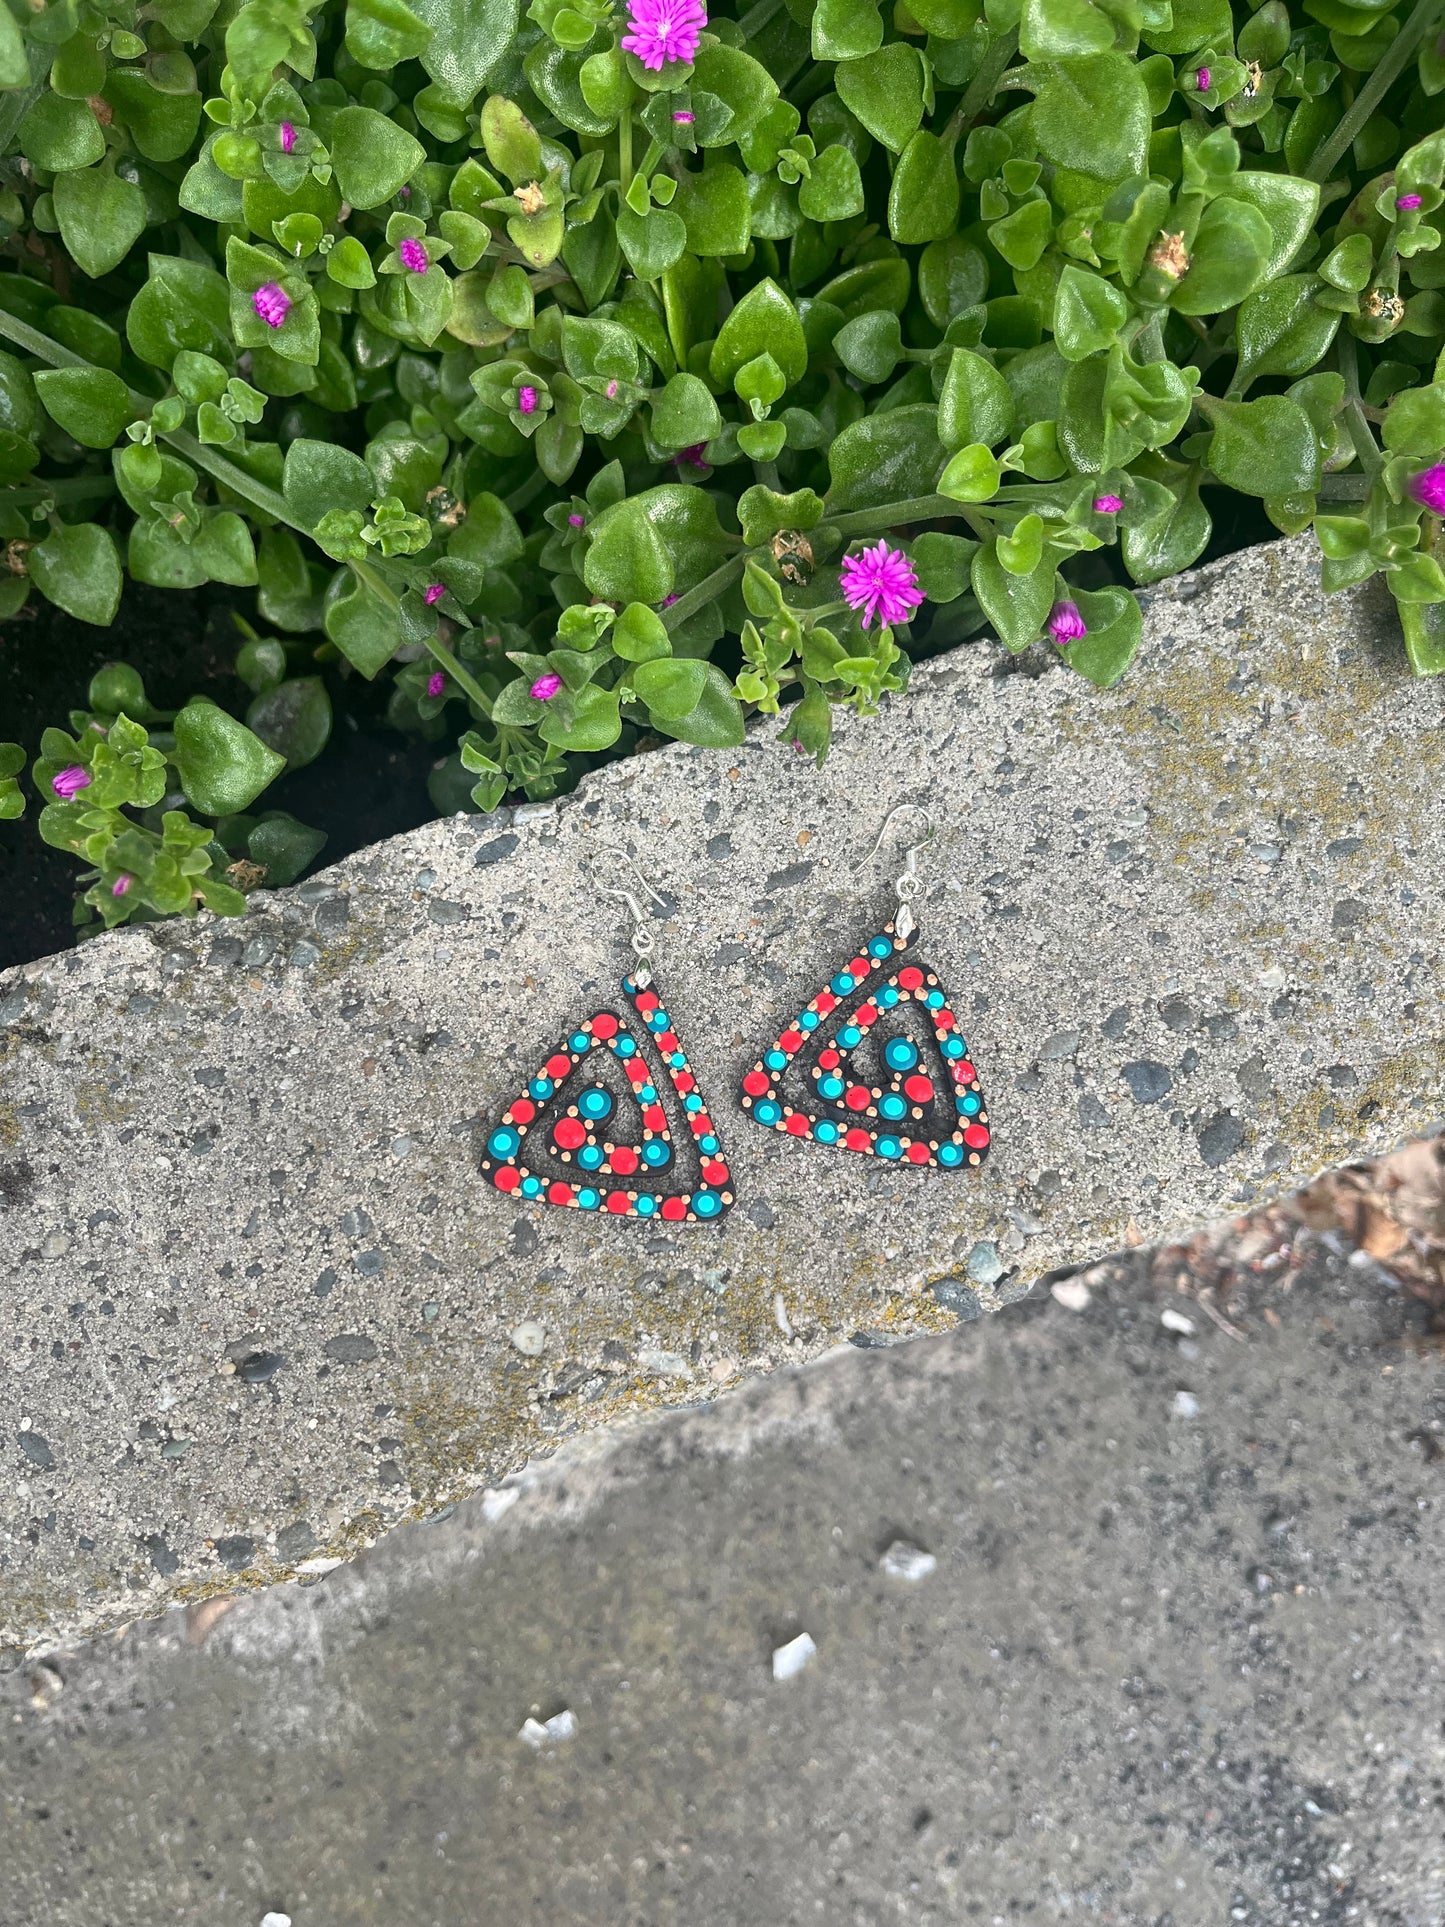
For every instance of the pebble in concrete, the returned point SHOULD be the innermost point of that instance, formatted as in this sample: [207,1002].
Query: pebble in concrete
[198,1124]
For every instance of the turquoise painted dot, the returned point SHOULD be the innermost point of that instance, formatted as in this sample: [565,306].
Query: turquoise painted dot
[950,1154]
[809,1020]
[624,1046]
[889,1147]
[969,1105]
[501,1144]
[934,1000]
[655,1153]
[692,1102]
[843,983]
[767,1112]
[590,1157]
[678,1061]
[893,1107]
[646,1204]
[880,947]
[825,1132]
[647,1094]
[706,1204]
[579,1040]
[531,1187]
[953,1047]
[595,1103]
[657,1019]
[899,1054]
[707,1144]
[776,1060]
[887,997]
[850,1037]
[589,1199]
[830,1087]
[540,1087]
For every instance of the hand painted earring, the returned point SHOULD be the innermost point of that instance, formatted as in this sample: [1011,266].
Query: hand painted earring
[570,1140]
[877,1063]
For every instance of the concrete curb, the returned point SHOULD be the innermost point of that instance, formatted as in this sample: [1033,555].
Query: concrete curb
[259,1305]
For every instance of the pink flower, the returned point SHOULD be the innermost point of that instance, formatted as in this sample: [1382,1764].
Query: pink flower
[663,30]
[288,137]
[546,687]
[1428,489]
[682,118]
[434,592]
[122,884]
[1408,201]
[694,456]
[272,303]
[436,682]
[1108,504]
[414,256]
[668,600]
[612,391]
[527,401]
[577,521]
[1066,625]
[69,781]
[1201,80]
[881,582]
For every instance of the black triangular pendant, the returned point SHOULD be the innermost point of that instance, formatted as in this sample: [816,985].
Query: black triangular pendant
[921,1104]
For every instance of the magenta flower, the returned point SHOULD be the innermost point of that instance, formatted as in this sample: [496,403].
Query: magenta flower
[436,682]
[69,781]
[683,118]
[288,137]
[881,582]
[612,391]
[1066,625]
[1108,504]
[1428,489]
[122,884]
[272,303]
[663,30]
[527,401]
[546,687]
[413,256]
[434,592]
[694,456]
[668,600]
[1408,201]
[577,521]
[1201,80]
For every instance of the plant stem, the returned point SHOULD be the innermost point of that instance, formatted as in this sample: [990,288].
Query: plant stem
[1367,449]
[756,18]
[624,149]
[981,87]
[459,675]
[711,585]
[73,489]
[917,508]
[1397,56]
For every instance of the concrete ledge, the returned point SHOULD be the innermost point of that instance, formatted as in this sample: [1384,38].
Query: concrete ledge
[257,1304]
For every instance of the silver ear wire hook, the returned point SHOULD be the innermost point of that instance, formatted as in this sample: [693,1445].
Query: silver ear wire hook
[643,941]
[908,883]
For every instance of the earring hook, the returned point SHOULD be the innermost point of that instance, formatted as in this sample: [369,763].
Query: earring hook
[643,941]
[907,884]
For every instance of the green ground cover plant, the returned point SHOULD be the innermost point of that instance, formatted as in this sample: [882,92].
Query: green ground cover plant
[601,373]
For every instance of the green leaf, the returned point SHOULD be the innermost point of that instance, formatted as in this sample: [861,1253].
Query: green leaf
[885,92]
[871,346]
[652,242]
[1053,29]
[470,39]
[90,404]
[100,216]
[320,476]
[627,560]
[887,457]
[1088,313]
[763,512]
[58,134]
[372,156]
[283,847]
[1016,605]
[586,720]
[685,413]
[1229,258]
[1415,422]
[293,718]
[714,209]
[1167,531]
[382,33]
[1115,630]
[975,405]
[162,123]
[363,623]
[183,305]
[834,189]
[223,767]
[923,200]
[1092,114]
[1281,331]
[742,84]
[1264,447]
[763,322]
[715,721]
[77,569]
[1289,206]
[846,29]
[670,686]
[972,475]
[640,634]
[1023,235]
[943,564]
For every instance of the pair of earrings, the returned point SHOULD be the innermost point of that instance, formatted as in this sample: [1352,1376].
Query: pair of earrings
[875,1063]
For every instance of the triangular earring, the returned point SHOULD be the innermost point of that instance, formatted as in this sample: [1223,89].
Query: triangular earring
[877,1062]
[592,1130]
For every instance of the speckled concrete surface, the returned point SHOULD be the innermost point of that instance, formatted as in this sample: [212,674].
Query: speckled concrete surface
[1180,1660]
[257,1305]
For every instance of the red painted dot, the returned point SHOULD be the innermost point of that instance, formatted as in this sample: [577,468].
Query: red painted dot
[569,1132]
[826,1001]
[618,1203]
[797,1125]
[857,1140]
[857,1097]
[623,1160]
[917,1154]
[790,1040]
[654,1117]
[714,1172]
[638,1071]
[522,1112]
[829,1060]
[647,1000]
[865,1015]
[559,1193]
[684,1080]
[674,1208]
[943,1019]
[505,1177]
[756,1083]
[920,1089]
[975,1136]
[667,1040]
[557,1067]
[701,1123]
[964,1071]
[604,1025]
[911,978]
[859,967]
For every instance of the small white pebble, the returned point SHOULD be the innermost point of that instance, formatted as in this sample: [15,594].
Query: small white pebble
[530,1338]
[275,1920]
[903,1561]
[789,1660]
[780,1315]
[495,1503]
[1186,1405]
[540,1733]
[1175,1321]
[1072,1293]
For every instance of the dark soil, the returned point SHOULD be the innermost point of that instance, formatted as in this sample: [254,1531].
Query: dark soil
[369,783]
